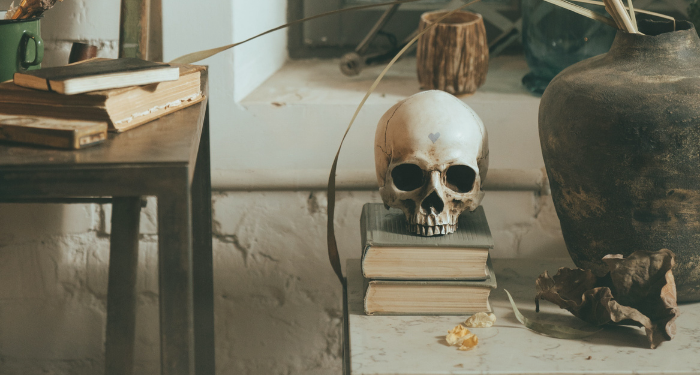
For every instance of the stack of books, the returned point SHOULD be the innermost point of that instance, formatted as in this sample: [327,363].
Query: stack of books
[406,274]
[74,106]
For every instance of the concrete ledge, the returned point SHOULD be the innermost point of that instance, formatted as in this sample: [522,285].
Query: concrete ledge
[357,179]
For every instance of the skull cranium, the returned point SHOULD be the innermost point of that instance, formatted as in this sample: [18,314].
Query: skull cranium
[431,157]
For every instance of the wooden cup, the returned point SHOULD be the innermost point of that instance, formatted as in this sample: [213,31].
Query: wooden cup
[453,56]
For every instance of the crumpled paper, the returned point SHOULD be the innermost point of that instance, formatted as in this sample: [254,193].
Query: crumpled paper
[638,290]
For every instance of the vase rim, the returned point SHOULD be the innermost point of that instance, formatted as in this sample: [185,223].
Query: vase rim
[467,17]
[657,28]
[8,22]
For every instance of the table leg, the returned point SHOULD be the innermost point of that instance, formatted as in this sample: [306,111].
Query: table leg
[202,258]
[121,289]
[175,281]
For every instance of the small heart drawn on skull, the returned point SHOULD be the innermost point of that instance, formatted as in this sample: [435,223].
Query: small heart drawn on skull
[434,137]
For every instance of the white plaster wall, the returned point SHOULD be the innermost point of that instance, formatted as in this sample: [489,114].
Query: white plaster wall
[278,308]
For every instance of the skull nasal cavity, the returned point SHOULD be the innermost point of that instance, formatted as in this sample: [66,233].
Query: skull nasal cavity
[460,178]
[434,201]
[407,177]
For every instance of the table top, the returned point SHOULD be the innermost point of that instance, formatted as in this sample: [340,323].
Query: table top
[173,138]
[416,345]
[153,159]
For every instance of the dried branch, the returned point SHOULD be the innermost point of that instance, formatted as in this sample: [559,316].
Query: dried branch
[32,8]
[583,11]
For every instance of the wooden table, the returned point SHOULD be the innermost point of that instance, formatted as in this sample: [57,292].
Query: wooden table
[415,345]
[169,159]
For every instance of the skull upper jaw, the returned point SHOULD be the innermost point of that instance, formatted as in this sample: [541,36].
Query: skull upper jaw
[433,209]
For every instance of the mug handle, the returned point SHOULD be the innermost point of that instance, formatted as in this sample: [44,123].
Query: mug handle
[24,44]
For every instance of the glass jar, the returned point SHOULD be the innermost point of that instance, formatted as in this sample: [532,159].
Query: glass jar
[554,38]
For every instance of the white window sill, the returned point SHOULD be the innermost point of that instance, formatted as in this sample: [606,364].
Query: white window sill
[284,135]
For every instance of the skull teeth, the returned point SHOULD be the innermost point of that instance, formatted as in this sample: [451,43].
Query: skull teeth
[431,230]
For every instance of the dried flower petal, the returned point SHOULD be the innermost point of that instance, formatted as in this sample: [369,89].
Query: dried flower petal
[469,342]
[459,330]
[456,335]
[638,290]
[452,339]
[481,320]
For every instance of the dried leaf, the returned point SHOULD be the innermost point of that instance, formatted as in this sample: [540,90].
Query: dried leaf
[481,320]
[560,332]
[639,290]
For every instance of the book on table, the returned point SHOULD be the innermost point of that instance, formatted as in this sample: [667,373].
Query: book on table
[427,297]
[69,134]
[122,108]
[391,252]
[96,74]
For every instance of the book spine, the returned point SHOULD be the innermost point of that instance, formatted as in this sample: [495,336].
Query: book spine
[38,137]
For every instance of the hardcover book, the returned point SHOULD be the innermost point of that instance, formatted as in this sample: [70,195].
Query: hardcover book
[410,297]
[390,251]
[69,134]
[122,109]
[97,74]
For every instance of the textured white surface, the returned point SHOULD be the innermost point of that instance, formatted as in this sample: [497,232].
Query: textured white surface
[416,345]
[277,300]
[278,304]
[295,120]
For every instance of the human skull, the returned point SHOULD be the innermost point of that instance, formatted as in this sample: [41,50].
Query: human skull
[431,155]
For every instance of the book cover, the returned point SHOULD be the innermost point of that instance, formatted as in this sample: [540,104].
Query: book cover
[390,251]
[382,227]
[68,134]
[98,74]
[414,297]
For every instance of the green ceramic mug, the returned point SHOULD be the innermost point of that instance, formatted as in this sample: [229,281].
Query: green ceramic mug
[21,46]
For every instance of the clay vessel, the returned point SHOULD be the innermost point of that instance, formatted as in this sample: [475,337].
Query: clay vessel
[620,136]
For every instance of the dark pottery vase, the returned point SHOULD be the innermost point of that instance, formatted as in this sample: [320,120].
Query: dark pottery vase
[620,137]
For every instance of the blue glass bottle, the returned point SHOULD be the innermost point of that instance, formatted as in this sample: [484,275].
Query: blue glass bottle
[554,38]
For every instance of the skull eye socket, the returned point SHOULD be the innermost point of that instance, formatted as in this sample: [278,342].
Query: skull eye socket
[460,178]
[407,177]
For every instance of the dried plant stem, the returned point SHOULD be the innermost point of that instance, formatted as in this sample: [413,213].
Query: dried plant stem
[331,241]
[632,16]
[617,11]
[583,11]
[32,8]
[594,2]
[201,55]
[616,17]
[554,330]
